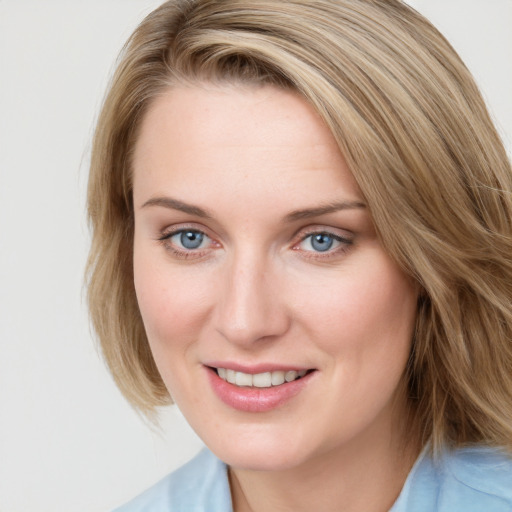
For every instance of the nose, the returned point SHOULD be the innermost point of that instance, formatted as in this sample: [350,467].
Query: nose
[251,306]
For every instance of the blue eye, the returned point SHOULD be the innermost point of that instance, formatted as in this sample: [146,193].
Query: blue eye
[324,242]
[189,239]
[321,242]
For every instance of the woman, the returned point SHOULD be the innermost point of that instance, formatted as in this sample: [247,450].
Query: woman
[302,222]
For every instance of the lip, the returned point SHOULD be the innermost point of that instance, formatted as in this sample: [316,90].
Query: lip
[252,399]
[254,368]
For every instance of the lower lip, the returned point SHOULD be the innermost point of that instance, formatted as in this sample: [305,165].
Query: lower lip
[252,399]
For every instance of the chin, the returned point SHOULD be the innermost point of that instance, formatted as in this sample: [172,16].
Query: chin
[274,453]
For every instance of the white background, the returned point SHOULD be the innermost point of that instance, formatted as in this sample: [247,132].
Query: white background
[68,441]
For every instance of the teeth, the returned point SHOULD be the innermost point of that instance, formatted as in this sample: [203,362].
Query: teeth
[277,378]
[259,380]
[243,379]
[289,376]
[262,380]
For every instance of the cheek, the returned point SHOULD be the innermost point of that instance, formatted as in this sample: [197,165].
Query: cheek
[385,305]
[173,308]
[366,315]
[364,325]
[172,304]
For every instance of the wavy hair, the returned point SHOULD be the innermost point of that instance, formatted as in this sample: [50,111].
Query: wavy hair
[416,134]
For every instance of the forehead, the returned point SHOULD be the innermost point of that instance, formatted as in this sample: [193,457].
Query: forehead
[238,136]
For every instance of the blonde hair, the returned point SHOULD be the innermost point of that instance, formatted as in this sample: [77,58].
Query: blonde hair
[416,134]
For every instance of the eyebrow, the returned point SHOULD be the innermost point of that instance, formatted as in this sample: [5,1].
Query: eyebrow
[307,213]
[304,213]
[174,204]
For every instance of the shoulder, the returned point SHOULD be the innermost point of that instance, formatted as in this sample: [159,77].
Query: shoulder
[484,470]
[469,479]
[200,485]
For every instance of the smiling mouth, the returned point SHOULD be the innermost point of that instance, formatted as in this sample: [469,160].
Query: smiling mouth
[260,380]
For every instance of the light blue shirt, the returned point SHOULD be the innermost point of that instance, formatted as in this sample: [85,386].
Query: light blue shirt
[465,480]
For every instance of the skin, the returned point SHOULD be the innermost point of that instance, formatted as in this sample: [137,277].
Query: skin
[257,290]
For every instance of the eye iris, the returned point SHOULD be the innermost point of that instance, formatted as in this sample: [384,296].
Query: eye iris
[191,239]
[321,242]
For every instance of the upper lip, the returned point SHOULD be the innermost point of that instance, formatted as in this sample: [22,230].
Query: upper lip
[256,368]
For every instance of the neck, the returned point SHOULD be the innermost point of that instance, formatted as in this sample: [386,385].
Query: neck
[366,474]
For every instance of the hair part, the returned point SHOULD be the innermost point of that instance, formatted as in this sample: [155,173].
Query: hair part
[416,134]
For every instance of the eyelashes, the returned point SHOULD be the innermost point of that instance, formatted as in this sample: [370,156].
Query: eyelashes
[322,242]
[186,243]
[192,243]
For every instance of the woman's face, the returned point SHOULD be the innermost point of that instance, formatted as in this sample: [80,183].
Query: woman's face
[256,261]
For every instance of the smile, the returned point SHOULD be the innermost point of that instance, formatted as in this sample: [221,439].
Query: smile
[259,380]
[258,392]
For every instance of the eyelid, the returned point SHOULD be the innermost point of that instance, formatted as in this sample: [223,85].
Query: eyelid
[344,237]
[345,242]
[182,253]
[178,228]
[337,233]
